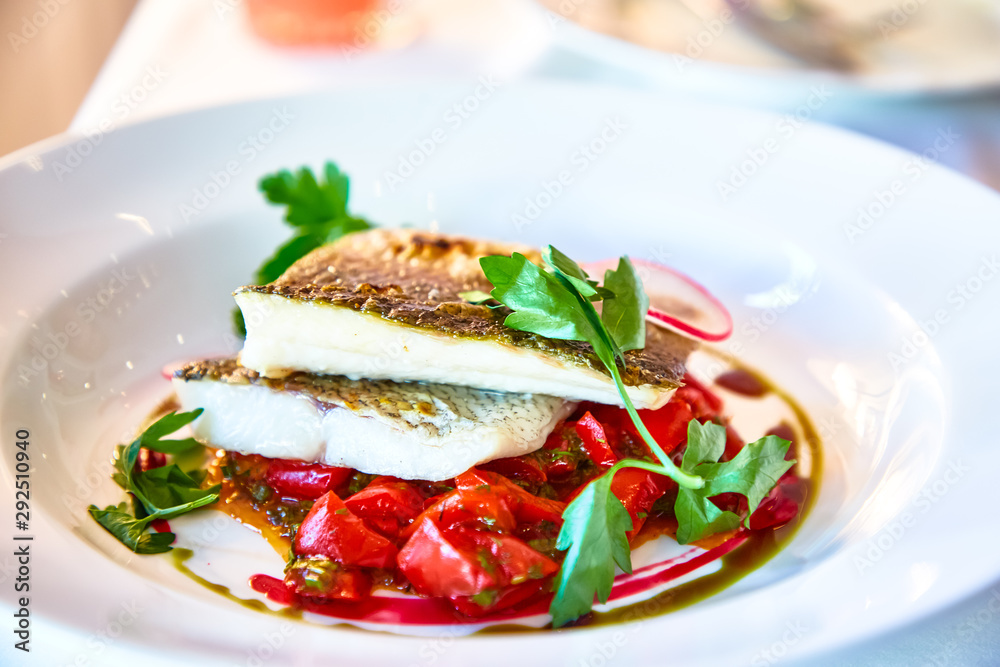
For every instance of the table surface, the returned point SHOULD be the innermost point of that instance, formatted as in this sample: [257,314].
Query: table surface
[178,55]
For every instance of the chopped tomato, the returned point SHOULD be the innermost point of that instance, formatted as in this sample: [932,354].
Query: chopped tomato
[781,505]
[557,456]
[668,425]
[331,530]
[308,481]
[638,489]
[734,443]
[322,578]
[479,506]
[149,459]
[460,561]
[491,601]
[595,441]
[704,404]
[387,504]
[516,561]
[440,563]
[527,508]
[519,467]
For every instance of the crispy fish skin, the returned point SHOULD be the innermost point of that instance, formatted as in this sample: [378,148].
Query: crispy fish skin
[413,279]
[409,430]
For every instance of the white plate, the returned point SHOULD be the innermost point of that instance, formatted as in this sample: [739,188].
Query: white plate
[112,250]
[915,47]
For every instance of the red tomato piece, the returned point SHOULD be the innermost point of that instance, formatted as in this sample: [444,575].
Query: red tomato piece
[518,467]
[668,425]
[780,505]
[480,506]
[704,403]
[516,561]
[299,479]
[320,578]
[440,563]
[460,561]
[388,527]
[595,441]
[331,530]
[489,602]
[527,508]
[734,443]
[558,457]
[148,459]
[638,489]
[387,498]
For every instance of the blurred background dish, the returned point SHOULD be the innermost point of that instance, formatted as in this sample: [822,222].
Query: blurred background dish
[881,45]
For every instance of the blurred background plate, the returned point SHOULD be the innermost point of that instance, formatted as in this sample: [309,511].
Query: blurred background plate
[881,46]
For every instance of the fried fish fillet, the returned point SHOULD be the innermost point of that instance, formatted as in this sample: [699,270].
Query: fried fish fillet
[385,304]
[408,430]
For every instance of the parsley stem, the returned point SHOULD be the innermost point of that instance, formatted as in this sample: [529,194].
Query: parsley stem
[668,468]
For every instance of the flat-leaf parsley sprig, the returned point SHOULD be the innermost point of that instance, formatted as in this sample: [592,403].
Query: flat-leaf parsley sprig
[316,210]
[158,493]
[558,302]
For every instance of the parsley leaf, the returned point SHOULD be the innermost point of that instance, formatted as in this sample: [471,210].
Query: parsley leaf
[152,437]
[541,303]
[594,539]
[475,296]
[624,312]
[571,271]
[159,493]
[318,212]
[309,203]
[131,531]
[753,473]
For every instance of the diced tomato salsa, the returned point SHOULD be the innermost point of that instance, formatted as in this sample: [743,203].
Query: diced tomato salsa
[484,540]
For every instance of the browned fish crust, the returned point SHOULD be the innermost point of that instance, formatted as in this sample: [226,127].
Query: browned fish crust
[414,277]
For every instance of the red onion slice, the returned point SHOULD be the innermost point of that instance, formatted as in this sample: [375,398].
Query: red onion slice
[675,301]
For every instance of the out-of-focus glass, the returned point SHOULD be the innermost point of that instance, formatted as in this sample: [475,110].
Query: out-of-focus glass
[309,22]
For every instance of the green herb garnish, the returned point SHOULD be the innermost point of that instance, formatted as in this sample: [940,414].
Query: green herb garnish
[753,472]
[558,302]
[159,493]
[475,296]
[316,210]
